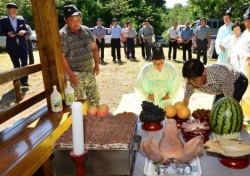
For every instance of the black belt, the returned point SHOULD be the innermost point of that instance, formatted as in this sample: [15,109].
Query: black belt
[115,38]
[131,37]
[202,39]
[173,39]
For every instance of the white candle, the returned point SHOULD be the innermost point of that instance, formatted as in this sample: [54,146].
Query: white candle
[77,128]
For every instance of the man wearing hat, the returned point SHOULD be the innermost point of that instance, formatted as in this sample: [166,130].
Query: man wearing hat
[14,29]
[78,50]
[158,81]
[223,38]
[116,31]
[147,35]
[99,33]
[245,52]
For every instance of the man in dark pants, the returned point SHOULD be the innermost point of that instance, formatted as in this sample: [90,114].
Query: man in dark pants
[99,33]
[141,41]
[29,43]
[202,39]
[31,56]
[115,31]
[131,41]
[186,36]
[15,29]
[147,35]
[173,35]
[229,82]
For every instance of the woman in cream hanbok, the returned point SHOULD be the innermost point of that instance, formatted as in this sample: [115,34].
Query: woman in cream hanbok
[158,81]
[223,37]
[245,50]
[234,46]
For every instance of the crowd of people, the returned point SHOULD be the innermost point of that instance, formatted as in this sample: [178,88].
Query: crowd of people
[83,51]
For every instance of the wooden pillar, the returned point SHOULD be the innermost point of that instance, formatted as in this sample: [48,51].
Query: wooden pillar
[47,31]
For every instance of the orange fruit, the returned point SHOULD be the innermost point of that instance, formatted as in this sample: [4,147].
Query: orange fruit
[170,111]
[92,110]
[104,107]
[183,112]
[179,104]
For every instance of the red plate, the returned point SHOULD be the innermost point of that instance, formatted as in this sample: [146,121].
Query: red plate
[152,126]
[179,121]
[187,136]
[234,163]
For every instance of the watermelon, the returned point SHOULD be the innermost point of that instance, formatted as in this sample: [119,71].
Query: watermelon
[226,118]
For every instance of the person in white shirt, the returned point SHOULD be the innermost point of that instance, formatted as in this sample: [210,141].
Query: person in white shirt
[234,46]
[245,51]
[223,37]
[173,35]
[124,37]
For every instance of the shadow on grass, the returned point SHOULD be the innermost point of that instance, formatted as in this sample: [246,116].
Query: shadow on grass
[9,98]
[179,62]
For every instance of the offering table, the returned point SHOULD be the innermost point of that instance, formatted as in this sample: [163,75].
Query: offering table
[210,165]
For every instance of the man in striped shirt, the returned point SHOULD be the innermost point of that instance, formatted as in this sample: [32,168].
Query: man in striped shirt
[216,79]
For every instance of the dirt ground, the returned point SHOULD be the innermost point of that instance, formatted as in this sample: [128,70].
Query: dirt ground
[114,80]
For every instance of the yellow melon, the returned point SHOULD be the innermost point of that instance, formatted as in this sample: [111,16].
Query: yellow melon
[170,111]
[183,112]
[179,104]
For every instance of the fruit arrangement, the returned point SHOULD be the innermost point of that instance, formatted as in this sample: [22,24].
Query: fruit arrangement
[202,114]
[102,110]
[178,110]
[226,118]
[151,112]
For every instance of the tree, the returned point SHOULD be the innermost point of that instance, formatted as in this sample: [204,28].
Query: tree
[216,9]
[24,9]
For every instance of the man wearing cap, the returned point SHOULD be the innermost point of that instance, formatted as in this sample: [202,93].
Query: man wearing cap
[99,33]
[202,39]
[245,51]
[14,29]
[116,31]
[223,38]
[158,81]
[79,48]
[147,35]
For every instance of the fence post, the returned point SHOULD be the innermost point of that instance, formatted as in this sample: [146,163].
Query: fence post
[17,87]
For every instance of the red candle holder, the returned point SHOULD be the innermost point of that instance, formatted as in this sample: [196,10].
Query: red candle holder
[79,160]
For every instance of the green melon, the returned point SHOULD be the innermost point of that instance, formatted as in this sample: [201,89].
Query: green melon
[226,118]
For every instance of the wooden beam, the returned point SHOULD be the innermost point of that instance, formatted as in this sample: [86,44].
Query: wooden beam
[47,30]
[39,144]
[16,73]
[17,108]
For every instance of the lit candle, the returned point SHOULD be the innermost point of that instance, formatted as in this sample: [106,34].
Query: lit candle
[77,128]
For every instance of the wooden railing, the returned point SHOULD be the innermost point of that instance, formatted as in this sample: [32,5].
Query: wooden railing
[15,74]
[27,145]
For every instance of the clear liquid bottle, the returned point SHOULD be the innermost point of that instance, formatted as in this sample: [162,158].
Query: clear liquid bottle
[56,100]
[69,94]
